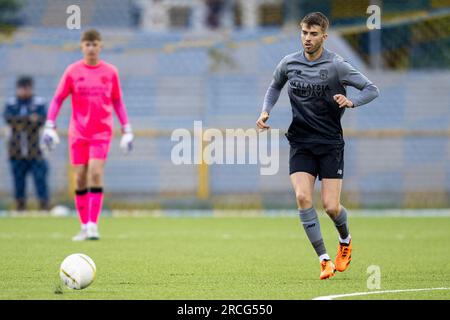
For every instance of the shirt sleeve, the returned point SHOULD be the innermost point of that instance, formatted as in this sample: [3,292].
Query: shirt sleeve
[349,76]
[274,90]
[41,112]
[62,91]
[7,114]
[280,75]
[271,98]
[117,100]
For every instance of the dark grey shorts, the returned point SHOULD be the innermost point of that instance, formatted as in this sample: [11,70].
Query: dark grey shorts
[323,160]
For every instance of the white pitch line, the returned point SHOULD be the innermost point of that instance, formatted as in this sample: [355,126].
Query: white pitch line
[331,297]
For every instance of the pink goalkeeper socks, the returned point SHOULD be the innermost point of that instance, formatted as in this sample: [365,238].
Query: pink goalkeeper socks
[89,205]
[82,205]
[95,204]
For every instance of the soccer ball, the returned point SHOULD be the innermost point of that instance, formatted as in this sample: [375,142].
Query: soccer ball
[60,211]
[77,271]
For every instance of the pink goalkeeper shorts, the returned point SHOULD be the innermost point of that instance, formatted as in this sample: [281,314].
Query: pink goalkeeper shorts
[82,150]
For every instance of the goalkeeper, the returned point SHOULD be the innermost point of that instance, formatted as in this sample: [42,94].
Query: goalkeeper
[95,89]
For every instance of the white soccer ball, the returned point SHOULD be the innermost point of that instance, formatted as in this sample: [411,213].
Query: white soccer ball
[60,211]
[77,271]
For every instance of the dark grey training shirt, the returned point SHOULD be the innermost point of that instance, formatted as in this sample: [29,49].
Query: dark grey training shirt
[311,87]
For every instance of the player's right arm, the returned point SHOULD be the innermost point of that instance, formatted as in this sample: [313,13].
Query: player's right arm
[50,137]
[272,94]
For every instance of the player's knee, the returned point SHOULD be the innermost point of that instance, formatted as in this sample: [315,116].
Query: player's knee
[81,180]
[332,208]
[95,177]
[303,199]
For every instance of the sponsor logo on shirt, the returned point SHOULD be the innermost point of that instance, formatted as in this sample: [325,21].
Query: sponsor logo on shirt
[309,89]
[92,91]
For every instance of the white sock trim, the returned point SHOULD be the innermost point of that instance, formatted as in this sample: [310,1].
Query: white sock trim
[324,256]
[346,240]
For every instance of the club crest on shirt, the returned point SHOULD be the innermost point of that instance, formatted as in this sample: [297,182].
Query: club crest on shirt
[323,74]
[105,79]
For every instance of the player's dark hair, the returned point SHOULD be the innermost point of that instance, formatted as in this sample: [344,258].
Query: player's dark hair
[24,82]
[91,35]
[316,19]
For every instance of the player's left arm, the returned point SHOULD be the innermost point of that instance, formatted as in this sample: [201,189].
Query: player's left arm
[126,143]
[40,115]
[350,76]
[8,113]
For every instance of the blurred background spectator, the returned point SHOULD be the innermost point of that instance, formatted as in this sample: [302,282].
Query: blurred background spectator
[215,8]
[25,114]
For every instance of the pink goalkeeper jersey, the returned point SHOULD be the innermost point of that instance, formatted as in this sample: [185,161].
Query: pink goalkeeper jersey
[95,94]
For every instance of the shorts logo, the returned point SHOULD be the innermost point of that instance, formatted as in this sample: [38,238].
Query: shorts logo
[339,171]
[323,74]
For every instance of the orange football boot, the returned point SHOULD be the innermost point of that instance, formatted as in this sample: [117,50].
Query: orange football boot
[343,256]
[327,269]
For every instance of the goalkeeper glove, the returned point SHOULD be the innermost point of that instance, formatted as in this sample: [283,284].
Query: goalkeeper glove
[126,143]
[50,137]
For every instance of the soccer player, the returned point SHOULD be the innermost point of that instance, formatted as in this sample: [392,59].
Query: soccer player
[95,89]
[317,79]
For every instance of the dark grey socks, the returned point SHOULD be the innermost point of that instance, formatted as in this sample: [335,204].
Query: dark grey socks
[311,224]
[342,226]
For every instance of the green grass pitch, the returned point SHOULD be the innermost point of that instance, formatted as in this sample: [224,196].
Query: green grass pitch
[223,258]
